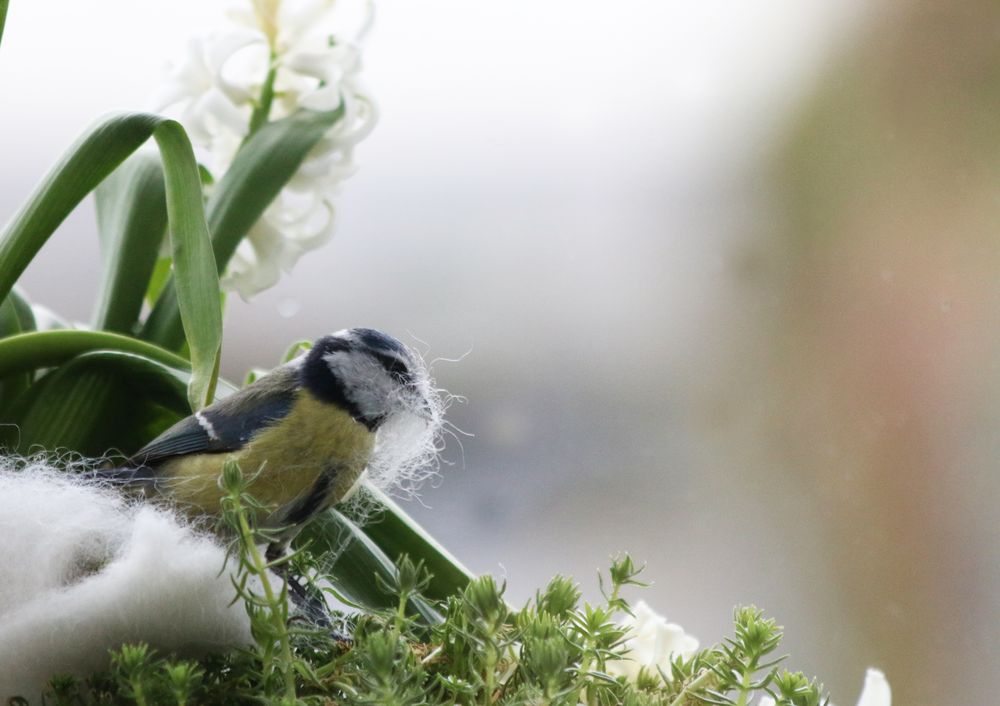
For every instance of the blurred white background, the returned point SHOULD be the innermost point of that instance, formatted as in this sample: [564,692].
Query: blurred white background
[574,199]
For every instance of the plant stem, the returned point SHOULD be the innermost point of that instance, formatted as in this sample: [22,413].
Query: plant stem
[137,692]
[696,684]
[745,687]
[491,664]
[260,568]
[263,110]
[400,618]
[585,663]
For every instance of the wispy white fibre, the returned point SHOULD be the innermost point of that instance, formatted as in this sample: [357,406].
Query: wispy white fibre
[83,571]
[409,442]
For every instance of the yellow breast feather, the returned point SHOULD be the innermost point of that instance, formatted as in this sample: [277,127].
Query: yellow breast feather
[282,462]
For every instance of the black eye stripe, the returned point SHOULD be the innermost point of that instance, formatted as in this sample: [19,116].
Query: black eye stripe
[333,345]
[394,366]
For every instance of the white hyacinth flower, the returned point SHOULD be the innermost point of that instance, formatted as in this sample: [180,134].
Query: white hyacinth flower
[875,692]
[316,64]
[652,642]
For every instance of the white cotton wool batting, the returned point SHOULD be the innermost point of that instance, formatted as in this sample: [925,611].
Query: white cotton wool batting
[408,443]
[83,571]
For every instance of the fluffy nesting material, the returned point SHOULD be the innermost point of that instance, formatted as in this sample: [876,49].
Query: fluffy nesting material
[408,444]
[83,571]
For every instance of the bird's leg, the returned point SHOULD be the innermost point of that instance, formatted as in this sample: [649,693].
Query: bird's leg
[310,603]
[274,554]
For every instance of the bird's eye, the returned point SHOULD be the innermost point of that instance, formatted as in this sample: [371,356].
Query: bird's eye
[396,368]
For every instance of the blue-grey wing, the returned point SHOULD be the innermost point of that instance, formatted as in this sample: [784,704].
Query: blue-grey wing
[228,424]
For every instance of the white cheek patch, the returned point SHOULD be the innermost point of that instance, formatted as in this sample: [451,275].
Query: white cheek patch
[364,380]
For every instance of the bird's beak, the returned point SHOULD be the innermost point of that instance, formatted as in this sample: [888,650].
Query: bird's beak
[426,411]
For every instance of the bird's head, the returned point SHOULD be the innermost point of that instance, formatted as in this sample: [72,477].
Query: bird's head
[367,373]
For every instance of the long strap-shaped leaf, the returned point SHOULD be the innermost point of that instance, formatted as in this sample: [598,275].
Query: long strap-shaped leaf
[26,352]
[15,317]
[90,160]
[93,157]
[48,349]
[257,175]
[90,405]
[131,222]
[3,17]
[362,550]
[194,262]
[356,562]
[396,534]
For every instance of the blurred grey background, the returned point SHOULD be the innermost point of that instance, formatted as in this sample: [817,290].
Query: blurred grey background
[718,280]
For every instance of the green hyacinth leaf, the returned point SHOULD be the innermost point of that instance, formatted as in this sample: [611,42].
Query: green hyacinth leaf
[131,223]
[100,403]
[94,156]
[3,17]
[260,170]
[395,533]
[49,349]
[195,273]
[15,317]
[352,561]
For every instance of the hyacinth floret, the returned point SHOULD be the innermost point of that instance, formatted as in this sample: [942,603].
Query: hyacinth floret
[273,58]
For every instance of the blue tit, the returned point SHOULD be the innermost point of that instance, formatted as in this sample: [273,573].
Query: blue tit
[302,434]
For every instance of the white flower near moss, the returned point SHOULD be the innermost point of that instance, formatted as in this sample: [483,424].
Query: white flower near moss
[652,642]
[313,58]
[875,692]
